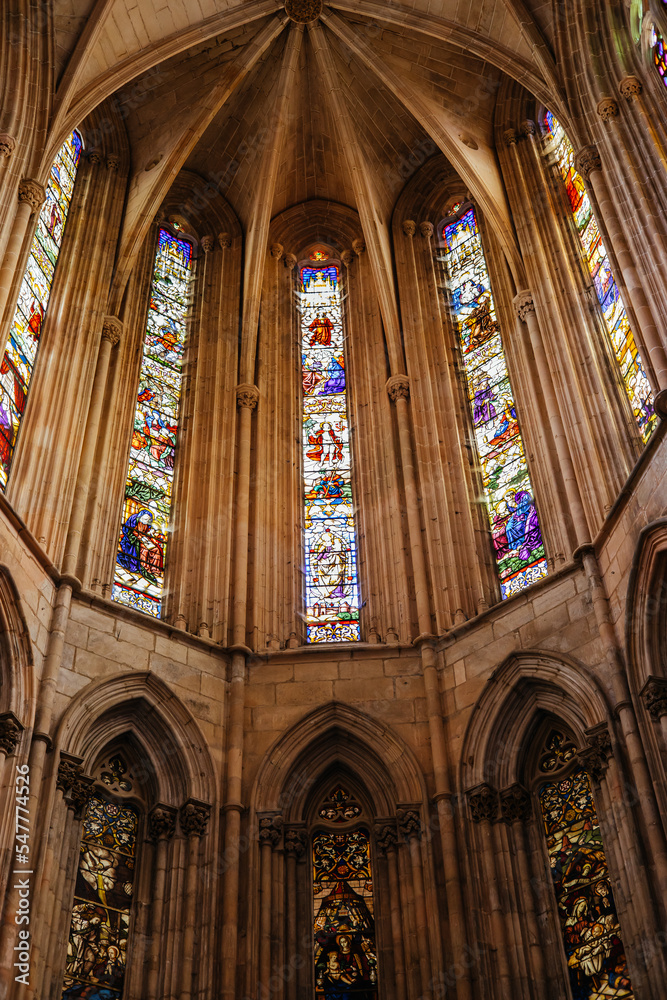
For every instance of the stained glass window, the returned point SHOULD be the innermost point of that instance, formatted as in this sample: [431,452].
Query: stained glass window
[339,807]
[615,318]
[24,335]
[332,586]
[659,54]
[100,924]
[145,520]
[517,537]
[345,952]
[589,923]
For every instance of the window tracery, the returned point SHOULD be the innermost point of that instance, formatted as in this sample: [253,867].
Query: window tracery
[510,499]
[615,318]
[101,912]
[140,557]
[587,914]
[25,332]
[659,54]
[332,585]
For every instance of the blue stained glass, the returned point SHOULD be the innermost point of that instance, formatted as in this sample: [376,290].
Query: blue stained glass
[616,322]
[515,527]
[25,332]
[332,586]
[143,535]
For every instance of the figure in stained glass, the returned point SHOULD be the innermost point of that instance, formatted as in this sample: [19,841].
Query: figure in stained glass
[20,354]
[332,591]
[622,341]
[515,526]
[140,558]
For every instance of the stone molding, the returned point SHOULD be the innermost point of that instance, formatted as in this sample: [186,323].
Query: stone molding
[247,395]
[112,329]
[426,229]
[295,842]
[483,803]
[270,830]
[276,250]
[32,192]
[386,836]
[398,387]
[409,823]
[303,11]
[587,160]
[409,227]
[207,243]
[10,733]
[162,823]
[524,304]
[654,695]
[515,804]
[194,817]
[224,241]
[7,144]
[630,87]
[607,109]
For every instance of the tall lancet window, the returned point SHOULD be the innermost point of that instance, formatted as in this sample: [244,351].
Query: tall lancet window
[140,558]
[332,586]
[589,923]
[616,322]
[24,335]
[345,951]
[659,53]
[100,925]
[515,527]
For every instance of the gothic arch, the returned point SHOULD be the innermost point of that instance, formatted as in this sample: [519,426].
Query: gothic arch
[646,608]
[337,732]
[16,656]
[140,704]
[527,683]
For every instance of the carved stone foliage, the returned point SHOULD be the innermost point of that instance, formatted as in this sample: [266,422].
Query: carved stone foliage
[247,395]
[630,87]
[346,257]
[112,329]
[10,733]
[7,144]
[270,830]
[587,160]
[295,842]
[398,387]
[77,787]
[409,823]
[162,823]
[33,193]
[409,227]
[113,162]
[426,229]
[69,770]
[596,755]
[303,11]
[207,243]
[194,818]
[524,304]
[276,250]
[654,694]
[515,804]
[386,836]
[607,109]
[290,261]
[509,137]
[483,802]
[359,246]
[224,241]
[81,794]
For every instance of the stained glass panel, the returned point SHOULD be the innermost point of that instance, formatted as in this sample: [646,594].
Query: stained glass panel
[24,334]
[96,951]
[143,534]
[345,952]
[589,922]
[659,54]
[515,526]
[332,587]
[616,321]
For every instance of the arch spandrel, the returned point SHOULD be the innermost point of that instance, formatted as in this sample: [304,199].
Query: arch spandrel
[161,727]
[336,734]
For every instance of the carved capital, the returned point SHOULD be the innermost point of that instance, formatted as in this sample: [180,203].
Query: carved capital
[524,304]
[224,241]
[359,246]
[7,144]
[346,257]
[509,137]
[194,817]
[409,227]
[426,229]
[295,842]
[515,804]
[409,823]
[528,128]
[95,157]
[303,11]
[483,802]
[276,250]
[587,160]
[80,795]
[607,109]
[654,694]
[113,162]
[247,395]
[10,733]
[398,387]
[69,769]
[207,243]
[162,823]
[596,755]
[630,87]
[33,193]
[112,329]
[290,261]
[270,830]
[386,836]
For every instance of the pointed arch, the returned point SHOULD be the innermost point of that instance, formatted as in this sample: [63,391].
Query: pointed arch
[17,666]
[646,607]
